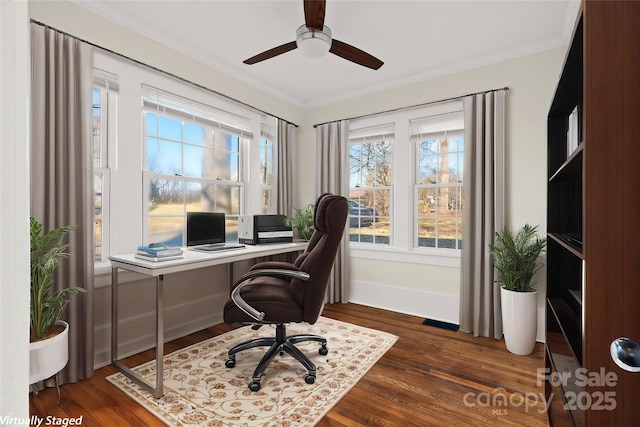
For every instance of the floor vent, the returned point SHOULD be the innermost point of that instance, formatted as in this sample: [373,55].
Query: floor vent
[441,325]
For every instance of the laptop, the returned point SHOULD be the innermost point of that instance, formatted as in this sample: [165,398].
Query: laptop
[206,232]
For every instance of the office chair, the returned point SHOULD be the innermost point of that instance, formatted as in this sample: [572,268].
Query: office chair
[278,293]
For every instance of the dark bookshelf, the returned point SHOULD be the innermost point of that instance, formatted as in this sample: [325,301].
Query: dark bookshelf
[593,213]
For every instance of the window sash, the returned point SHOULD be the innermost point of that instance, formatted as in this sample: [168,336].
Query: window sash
[101,218]
[190,111]
[438,217]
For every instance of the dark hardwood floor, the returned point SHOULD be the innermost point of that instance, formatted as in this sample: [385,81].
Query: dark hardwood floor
[431,377]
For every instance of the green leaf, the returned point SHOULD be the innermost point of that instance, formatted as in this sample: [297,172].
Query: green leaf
[47,306]
[515,257]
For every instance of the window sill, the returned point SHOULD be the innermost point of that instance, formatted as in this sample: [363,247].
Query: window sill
[439,257]
[101,268]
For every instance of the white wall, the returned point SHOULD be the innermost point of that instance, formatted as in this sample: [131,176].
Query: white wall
[14,212]
[532,80]
[66,16]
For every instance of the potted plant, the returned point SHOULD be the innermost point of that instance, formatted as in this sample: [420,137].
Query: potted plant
[48,348]
[515,256]
[303,222]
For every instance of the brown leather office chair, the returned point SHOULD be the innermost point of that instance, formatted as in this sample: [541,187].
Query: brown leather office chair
[278,293]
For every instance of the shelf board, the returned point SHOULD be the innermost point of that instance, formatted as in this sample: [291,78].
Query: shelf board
[572,166]
[568,243]
[558,305]
[577,295]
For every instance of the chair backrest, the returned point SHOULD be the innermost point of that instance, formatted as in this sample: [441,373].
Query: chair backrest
[315,237]
[329,220]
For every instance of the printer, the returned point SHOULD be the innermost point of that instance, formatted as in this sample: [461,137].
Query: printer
[255,229]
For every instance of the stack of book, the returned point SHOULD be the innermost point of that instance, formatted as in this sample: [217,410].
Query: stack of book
[158,252]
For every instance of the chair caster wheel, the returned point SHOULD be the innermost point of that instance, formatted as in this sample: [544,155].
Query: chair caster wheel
[309,379]
[323,351]
[230,363]
[254,385]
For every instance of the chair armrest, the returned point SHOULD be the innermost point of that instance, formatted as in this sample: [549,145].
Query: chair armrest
[279,265]
[248,277]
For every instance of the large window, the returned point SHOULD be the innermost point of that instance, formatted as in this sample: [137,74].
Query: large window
[164,147]
[192,163]
[267,172]
[439,148]
[406,177]
[104,132]
[370,183]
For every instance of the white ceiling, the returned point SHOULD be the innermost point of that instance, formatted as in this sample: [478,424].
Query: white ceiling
[416,40]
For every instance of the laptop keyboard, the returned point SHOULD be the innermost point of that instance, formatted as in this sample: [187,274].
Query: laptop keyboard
[217,247]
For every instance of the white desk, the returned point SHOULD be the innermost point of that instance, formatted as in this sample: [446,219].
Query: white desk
[191,260]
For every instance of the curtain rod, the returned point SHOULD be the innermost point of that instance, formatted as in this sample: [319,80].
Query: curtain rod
[161,71]
[412,106]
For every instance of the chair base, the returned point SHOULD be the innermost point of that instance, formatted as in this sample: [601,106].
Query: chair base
[279,344]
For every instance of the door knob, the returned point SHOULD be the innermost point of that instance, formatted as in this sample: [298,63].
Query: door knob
[626,353]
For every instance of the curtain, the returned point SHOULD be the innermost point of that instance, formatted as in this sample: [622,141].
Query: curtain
[483,215]
[62,175]
[286,167]
[332,176]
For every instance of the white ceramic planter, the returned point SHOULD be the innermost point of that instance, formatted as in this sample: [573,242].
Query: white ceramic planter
[519,320]
[48,357]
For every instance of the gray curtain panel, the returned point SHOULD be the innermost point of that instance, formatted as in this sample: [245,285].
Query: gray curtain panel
[332,176]
[62,175]
[286,167]
[483,214]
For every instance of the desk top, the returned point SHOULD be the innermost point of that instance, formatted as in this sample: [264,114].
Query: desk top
[195,259]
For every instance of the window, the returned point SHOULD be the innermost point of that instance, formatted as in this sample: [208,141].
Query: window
[405,196]
[267,173]
[439,148]
[159,155]
[370,183]
[193,163]
[104,131]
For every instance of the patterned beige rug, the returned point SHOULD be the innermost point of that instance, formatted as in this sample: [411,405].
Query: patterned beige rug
[201,391]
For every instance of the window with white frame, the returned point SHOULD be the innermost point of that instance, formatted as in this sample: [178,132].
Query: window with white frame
[370,184]
[405,196]
[438,143]
[173,147]
[193,163]
[267,171]
[104,134]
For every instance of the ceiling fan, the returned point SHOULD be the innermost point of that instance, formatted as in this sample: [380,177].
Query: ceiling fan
[314,39]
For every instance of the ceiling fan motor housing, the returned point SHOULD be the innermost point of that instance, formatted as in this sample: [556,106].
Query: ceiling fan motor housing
[313,43]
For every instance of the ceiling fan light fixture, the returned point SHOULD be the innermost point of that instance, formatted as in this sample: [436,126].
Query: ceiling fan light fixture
[313,43]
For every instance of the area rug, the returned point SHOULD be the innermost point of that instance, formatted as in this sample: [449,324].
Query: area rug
[201,391]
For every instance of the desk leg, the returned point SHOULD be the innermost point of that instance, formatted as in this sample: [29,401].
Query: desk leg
[158,390]
[114,314]
[159,336]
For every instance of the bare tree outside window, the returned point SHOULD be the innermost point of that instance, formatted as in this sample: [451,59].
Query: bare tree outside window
[439,190]
[370,190]
[190,167]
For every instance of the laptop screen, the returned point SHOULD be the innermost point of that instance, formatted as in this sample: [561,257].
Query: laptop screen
[204,228]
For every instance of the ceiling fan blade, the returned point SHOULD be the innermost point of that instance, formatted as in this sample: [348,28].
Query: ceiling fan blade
[354,54]
[314,13]
[271,53]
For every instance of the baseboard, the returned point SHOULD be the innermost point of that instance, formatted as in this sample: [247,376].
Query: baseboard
[442,307]
[416,302]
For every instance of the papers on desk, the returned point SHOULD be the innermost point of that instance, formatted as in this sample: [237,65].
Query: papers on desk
[158,252]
